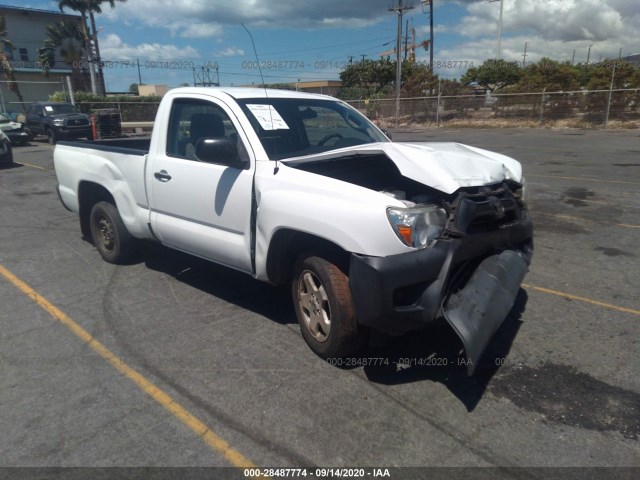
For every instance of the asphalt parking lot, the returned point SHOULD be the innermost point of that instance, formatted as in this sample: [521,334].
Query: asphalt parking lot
[559,385]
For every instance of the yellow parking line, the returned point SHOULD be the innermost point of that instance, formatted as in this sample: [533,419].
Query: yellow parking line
[627,225]
[582,299]
[32,166]
[209,436]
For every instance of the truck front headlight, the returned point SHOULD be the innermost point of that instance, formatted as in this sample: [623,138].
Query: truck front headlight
[417,227]
[521,192]
[58,122]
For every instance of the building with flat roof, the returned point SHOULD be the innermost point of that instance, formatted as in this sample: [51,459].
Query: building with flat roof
[145,90]
[27,29]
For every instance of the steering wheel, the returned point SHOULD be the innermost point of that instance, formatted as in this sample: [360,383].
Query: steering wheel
[326,138]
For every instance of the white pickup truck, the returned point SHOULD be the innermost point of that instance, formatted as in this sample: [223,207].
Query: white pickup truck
[302,188]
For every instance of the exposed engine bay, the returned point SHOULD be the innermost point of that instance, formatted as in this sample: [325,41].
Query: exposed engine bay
[469,209]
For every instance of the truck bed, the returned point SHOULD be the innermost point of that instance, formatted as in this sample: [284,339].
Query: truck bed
[130,146]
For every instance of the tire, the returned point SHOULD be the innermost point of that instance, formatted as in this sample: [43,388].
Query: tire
[51,136]
[325,310]
[112,239]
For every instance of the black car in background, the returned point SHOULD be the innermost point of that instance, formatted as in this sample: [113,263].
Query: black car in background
[14,130]
[58,121]
[6,153]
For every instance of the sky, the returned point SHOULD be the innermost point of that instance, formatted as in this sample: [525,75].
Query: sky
[313,40]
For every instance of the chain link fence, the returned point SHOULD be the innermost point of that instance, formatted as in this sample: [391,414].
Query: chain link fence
[129,111]
[580,109]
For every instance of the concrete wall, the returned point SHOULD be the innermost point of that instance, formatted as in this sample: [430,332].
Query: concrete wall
[147,90]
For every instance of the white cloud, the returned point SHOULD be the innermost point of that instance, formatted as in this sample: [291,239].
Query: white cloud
[198,30]
[178,16]
[231,52]
[551,28]
[112,47]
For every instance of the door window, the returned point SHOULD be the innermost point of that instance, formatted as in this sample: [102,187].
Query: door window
[192,120]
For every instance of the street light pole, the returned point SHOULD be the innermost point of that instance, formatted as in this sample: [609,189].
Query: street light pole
[499,26]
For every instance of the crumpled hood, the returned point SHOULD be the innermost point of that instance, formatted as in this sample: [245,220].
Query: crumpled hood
[443,166]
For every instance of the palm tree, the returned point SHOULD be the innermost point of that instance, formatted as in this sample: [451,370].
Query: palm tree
[82,6]
[90,7]
[57,35]
[5,63]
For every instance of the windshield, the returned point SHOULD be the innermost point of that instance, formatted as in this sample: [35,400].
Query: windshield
[60,108]
[293,127]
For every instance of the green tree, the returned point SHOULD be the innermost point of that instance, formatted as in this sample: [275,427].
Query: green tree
[493,74]
[548,75]
[623,103]
[5,63]
[370,77]
[133,88]
[90,8]
[626,75]
[417,79]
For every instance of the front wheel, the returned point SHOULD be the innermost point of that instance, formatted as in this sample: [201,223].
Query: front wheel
[325,310]
[109,234]
[51,137]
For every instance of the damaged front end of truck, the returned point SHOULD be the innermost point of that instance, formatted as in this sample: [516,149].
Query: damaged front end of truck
[464,215]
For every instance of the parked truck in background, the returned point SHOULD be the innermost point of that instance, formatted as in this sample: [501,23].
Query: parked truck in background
[58,121]
[302,189]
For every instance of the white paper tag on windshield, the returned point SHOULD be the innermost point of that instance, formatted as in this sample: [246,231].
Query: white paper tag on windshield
[48,108]
[269,117]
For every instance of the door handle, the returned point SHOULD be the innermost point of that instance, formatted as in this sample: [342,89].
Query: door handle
[162,175]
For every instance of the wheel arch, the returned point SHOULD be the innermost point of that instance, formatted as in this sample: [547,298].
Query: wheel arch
[287,245]
[90,193]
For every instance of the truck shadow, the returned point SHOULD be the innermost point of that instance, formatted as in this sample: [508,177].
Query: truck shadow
[222,282]
[434,354]
[437,354]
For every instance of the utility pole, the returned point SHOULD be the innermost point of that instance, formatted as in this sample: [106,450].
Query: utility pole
[139,75]
[613,76]
[524,57]
[589,54]
[430,3]
[406,38]
[363,57]
[400,9]
[573,58]
[431,35]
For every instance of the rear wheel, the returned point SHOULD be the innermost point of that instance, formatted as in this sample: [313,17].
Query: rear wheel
[114,243]
[325,309]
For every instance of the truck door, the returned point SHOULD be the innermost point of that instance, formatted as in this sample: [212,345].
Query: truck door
[35,118]
[201,208]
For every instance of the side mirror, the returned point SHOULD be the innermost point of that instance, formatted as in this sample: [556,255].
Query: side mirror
[386,132]
[222,151]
